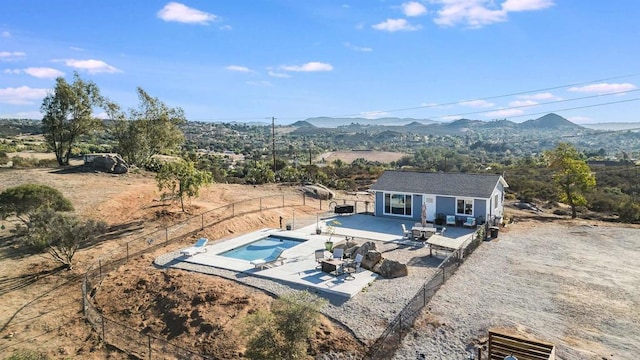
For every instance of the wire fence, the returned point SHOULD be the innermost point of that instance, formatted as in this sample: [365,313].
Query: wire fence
[391,339]
[139,344]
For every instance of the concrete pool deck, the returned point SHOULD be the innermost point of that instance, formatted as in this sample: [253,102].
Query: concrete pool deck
[300,267]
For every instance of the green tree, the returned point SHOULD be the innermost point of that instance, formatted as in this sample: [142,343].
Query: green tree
[572,175]
[182,179]
[153,128]
[60,234]
[23,201]
[283,332]
[68,114]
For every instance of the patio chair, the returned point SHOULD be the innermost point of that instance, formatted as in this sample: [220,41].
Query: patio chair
[451,220]
[319,257]
[273,259]
[470,222]
[416,235]
[355,265]
[338,253]
[197,248]
[406,234]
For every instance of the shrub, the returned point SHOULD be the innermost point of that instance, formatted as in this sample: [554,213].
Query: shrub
[27,355]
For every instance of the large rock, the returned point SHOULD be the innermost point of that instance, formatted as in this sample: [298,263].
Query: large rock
[391,269]
[370,259]
[365,248]
[111,163]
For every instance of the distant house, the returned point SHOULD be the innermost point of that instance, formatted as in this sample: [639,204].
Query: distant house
[401,194]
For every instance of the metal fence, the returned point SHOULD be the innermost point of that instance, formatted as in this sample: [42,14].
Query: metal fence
[133,341]
[391,339]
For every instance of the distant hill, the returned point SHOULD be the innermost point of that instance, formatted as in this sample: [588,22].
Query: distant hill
[302,124]
[549,122]
[330,122]
[616,126]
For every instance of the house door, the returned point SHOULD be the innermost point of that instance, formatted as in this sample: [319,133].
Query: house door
[431,207]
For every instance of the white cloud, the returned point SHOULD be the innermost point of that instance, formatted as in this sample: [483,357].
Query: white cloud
[477,13]
[178,12]
[526,5]
[22,95]
[603,88]
[580,119]
[504,113]
[373,114]
[357,48]
[393,25]
[238,68]
[278,75]
[102,115]
[477,104]
[413,8]
[75,48]
[312,66]
[10,56]
[523,103]
[6,34]
[539,96]
[225,27]
[39,72]
[91,66]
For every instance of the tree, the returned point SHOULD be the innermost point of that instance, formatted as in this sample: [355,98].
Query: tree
[572,175]
[61,235]
[182,179]
[283,332]
[23,201]
[68,114]
[153,128]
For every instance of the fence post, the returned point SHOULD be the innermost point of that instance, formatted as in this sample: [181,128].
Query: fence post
[202,221]
[400,329]
[443,272]
[260,204]
[304,199]
[104,337]
[320,204]
[233,209]
[149,345]
[282,200]
[100,268]
[166,236]
[424,295]
[127,252]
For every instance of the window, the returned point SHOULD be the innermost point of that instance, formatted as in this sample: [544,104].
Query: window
[464,207]
[397,204]
[495,201]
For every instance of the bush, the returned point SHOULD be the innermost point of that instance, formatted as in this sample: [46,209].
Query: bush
[27,355]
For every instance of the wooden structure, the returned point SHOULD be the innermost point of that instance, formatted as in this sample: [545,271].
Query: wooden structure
[502,345]
[438,242]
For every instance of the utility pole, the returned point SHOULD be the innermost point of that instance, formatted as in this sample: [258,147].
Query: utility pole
[273,141]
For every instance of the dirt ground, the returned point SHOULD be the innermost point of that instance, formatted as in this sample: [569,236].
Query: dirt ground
[41,304]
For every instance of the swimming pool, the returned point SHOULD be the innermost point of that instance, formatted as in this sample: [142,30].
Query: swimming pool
[262,248]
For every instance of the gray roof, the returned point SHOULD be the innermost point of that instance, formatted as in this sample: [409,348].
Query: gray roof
[449,184]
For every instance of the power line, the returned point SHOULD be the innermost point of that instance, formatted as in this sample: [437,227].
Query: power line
[453,102]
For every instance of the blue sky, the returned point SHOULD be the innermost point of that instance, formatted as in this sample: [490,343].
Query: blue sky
[294,59]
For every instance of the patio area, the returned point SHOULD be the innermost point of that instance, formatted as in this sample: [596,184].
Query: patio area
[300,269]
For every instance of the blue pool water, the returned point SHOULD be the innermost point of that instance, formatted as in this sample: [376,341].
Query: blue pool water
[262,248]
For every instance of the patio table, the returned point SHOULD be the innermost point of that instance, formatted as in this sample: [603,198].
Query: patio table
[332,266]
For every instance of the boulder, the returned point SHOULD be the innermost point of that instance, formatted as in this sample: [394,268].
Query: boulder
[110,163]
[390,269]
[370,259]
[365,248]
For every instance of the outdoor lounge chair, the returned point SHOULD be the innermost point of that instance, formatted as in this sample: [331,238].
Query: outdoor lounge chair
[451,220]
[470,222]
[406,234]
[276,256]
[197,248]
